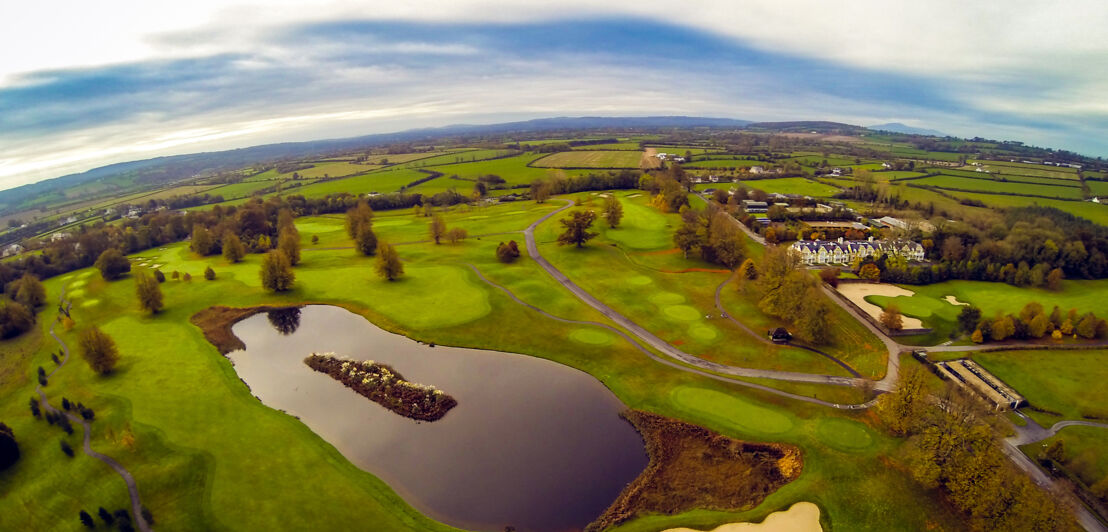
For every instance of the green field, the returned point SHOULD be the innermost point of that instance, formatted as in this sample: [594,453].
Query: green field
[1096,213]
[999,187]
[1086,452]
[590,159]
[725,163]
[380,182]
[1066,383]
[793,185]
[240,190]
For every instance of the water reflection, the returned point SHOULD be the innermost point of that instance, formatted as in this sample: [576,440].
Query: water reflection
[285,320]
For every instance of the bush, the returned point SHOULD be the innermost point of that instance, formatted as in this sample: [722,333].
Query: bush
[209,273]
[507,253]
[86,520]
[829,276]
[15,319]
[99,350]
[9,449]
[159,276]
[112,264]
[105,516]
[276,272]
[67,449]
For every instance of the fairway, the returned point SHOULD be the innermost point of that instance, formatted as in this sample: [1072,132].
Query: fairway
[591,159]
[1084,295]
[591,336]
[734,409]
[843,434]
[1068,384]
[642,228]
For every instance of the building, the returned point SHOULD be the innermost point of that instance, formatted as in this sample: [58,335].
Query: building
[822,226]
[969,374]
[897,223]
[844,252]
[757,169]
[751,206]
[59,236]
[14,249]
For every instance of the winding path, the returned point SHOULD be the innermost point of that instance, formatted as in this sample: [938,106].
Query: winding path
[132,488]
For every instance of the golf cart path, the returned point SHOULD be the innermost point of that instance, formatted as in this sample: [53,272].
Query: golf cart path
[132,487]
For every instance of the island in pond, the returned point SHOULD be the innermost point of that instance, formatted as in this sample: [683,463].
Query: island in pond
[384,386]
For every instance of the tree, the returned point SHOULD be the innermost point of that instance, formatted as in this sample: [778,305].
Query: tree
[952,249]
[9,448]
[233,250]
[540,190]
[968,318]
[726,240]
[99,350]
[1038,325]
[577,228]
[366,240]
[389,266]
[1003,328]
[276,271]
[686,238]
[891,318]
[27,291]
[86,520]
[456,235]
[748,270]
[977,337]
[870,272]
[112,264]
[813,322]
[149,293]
[830,276]
[1054,279]
[1056,451]
[209,273]
[901,409]
[105,516]
[1057,334]
[15,319]
[187,277]
[67,449]
[159,276]
[507,253]
[289,243]
[613,211]
[1086,328]
[437,228]
[202,242]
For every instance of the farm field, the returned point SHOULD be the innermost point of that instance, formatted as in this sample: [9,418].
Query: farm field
[1096,213]
[381,182]
[724,163]
[628,145]
[590,159]
[792,185]
[999,187]
[240,190]
[1012,178]
[514,170]
[463,156]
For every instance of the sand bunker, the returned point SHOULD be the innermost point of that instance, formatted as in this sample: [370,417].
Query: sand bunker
[954,301]
[800,517]
[857,292]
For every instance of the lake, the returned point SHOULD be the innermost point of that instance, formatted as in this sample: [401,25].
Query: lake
[532,443]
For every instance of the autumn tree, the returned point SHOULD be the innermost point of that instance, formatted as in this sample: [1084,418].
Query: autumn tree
[577,228]
[507,252]
[366,240]
[540,190]
[389,266]
[456,234]
[233,250]
[1054,279]
[891,318]
[830,276]
[437,228]
[209,273]
[27,291]
[748,270]
[900,409]
[112,264]
[870,272]
[288,242]
[99,350]
[686,238]
[1086,328]
[1038,325]
[613,211]
[726,240]
[1003,327]
[202,242]
[813,321]
[276,271]
[149,292]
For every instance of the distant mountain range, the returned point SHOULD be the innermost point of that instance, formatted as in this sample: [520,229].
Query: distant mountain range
[897,127]
[173,168]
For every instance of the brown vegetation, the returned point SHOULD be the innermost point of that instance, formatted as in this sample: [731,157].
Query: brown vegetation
[692,467]
[216,322]
[384,386]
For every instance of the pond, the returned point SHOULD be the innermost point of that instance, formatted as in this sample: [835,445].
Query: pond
[532,443]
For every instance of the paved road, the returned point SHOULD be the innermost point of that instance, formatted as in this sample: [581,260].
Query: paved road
[657,343]
[132,488]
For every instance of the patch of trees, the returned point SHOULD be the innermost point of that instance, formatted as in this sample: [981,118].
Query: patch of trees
[1032,322]
[384,386]
[17,315]
[789,292]
[713,234]
[951,446]
[112,264]
[507,252]
[359,226]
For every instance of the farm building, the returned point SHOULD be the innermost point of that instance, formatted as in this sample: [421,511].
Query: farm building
[969,374]
[752,206]
[843,252]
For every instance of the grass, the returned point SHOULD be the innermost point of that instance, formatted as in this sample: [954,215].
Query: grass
[203,450]
[793,185]
[1084,295]
[381,182]
[1086,451]
[999,187]
[591,159]
[725,163]
[1066,382]
[1097,213]
[514,170]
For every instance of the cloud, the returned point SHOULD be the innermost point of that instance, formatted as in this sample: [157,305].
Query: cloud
[214,77]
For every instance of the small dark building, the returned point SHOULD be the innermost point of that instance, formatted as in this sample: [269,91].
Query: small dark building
[780,335]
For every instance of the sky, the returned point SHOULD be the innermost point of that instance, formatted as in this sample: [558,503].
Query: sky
[84,84]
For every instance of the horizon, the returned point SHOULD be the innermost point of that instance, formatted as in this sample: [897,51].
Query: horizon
[177,80]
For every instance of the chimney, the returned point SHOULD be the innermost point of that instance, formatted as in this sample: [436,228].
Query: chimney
[840,240]
[871,238]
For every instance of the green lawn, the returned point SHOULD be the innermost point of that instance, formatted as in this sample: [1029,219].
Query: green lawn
[1097,213]
[793,185]
[999,187]
[208,456]
[725,163]
[381,182]
[1068,382]
[1086,451]
[1084,295]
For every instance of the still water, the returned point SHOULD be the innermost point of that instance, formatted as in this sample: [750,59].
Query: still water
[532,444]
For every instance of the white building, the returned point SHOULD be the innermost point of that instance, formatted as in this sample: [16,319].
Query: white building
[843,252]
[14,249]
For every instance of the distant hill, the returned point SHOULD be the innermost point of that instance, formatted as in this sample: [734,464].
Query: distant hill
[833,128]
[897,127]
[162,170]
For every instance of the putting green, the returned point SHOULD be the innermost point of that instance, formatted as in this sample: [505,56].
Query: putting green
[320,226]
[391,223]
[76,293]
[666,298]
[89,303]
[78,284]
[843,434]
[640,280]
[729,409]
[703,332]
[682,312]
[591,336]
